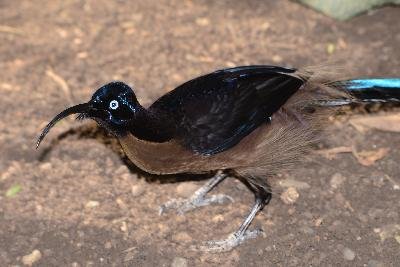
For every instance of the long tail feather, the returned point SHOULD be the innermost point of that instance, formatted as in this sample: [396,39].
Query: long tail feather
[382,90]
[374,90]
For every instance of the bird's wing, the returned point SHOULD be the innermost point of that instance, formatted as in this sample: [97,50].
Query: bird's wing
[215,111]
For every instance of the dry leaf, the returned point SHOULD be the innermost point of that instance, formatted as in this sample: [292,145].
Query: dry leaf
[387,123]
[368,158]
[331,153]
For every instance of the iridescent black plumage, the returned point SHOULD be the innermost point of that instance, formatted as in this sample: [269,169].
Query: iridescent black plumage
[214,112]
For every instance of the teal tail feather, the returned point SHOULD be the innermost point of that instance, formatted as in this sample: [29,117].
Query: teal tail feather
[371,90]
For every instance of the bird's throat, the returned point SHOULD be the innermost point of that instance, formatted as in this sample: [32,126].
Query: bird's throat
[151,126]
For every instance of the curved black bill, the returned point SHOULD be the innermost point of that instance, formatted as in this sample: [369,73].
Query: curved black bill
[81,108]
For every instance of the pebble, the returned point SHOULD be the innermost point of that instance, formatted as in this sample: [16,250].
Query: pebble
[126,177]
[348,254]
[137,190]
[124,227]
[202,21]
[290,196]
[318,222]
[121,204]
[277,59]
[186,189]
[92,204]
[182,237]
[108,245]
[179,262]
[218,218]
[294,183]
[337,180]
[31,258]
[374,263]
[307,230]
[45,166]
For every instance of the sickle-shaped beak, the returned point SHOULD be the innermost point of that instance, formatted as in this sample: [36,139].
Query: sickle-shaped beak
[81,108]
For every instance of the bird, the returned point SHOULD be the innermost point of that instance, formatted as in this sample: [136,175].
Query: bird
[247,122]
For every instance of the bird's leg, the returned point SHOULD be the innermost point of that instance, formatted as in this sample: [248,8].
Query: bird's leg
[198,198]
[242,234]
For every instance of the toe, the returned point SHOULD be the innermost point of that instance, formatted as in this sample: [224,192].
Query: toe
[229,243]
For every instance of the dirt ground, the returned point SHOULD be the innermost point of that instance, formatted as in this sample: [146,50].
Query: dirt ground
[79,203]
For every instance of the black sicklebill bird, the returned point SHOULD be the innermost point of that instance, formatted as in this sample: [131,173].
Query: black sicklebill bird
[248,122]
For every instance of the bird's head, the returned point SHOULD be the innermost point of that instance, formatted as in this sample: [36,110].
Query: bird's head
[113,106]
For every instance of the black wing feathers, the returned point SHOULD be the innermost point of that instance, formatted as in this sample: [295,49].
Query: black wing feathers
[215,111]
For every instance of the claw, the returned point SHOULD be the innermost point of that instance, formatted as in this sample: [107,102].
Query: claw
[229,243]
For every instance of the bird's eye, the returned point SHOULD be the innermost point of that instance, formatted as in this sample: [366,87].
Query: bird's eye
[114,104]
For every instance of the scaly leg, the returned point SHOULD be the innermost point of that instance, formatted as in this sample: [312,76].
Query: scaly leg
[198,198]
[242,234]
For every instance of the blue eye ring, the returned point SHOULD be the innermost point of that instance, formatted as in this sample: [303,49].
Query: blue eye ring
[114,104]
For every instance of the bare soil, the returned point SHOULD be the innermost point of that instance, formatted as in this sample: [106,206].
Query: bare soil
[82,204]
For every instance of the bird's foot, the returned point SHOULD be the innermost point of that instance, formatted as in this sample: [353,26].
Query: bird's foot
[233,240]
[183,205]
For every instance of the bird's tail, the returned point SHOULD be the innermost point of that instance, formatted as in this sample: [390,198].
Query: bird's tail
[371,90]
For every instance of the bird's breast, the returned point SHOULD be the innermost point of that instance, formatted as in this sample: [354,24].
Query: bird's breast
[161,158]
[171,157]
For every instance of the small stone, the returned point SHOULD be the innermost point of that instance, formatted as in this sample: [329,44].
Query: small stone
[179,262]
[121,170]
[318,222]
[92,204]
[163,229]
[307,230]
[294,183]
[82,55]
[277,59]
[348,254]
[124,227]
[218,218]
[126,176]
[374,263]
[265,26]
[121,204]
[202,21]
[30,259]
[290,195]
[186,189]
[397,238]
[137,190]
[108,245]
[291,211]
[45,166]
[336,180]
[182,237]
